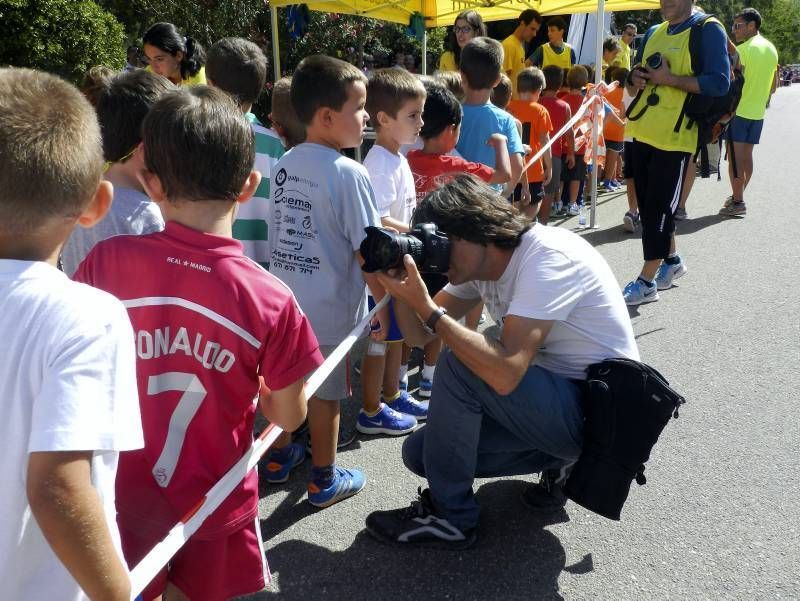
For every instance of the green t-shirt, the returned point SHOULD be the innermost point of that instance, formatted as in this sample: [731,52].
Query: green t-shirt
[760,59]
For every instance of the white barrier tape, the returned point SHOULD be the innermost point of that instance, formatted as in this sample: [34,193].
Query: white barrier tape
[160,555]
[575,118]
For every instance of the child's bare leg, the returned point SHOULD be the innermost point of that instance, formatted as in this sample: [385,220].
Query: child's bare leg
[372,370]
[323,427]
[391,372]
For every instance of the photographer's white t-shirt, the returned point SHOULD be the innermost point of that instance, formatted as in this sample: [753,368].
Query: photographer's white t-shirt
[556,275]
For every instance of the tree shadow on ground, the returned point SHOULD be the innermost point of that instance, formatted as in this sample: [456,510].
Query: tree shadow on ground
[515,558]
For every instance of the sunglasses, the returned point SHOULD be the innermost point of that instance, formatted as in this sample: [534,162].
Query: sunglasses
[737,26]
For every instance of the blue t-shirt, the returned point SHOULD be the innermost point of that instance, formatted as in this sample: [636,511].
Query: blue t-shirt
[481,121]
[715,78]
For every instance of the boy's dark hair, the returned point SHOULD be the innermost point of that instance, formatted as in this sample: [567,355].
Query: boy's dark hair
[166,37]
[565,72]
[95,81]
[122,107]
[553,77]
[750,15]
[610,44]
[389,89]
[481,63]
[199,144]
[452,81]
[284,115]
[501,93]
[468,209]
[51,158]
[442,110]
[528,15]
[238,67]
[577,77]
[556,22]
[530,79]
[322,81]
[620,75]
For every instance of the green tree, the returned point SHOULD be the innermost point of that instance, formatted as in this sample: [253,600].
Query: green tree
[66,37]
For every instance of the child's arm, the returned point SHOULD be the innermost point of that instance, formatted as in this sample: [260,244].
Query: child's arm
[547,157]
[502,162]
[516,172]
[285,407]
[394,224]
[378,292]
[70,514]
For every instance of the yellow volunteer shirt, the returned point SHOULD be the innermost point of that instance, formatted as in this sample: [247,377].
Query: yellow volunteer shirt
[760,59]
[447,62]
[623,58]
[193,80]
[513,59]
[561,59]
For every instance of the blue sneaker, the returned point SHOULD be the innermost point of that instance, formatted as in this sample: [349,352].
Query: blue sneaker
[402,384]
[346,483]
[667,273]
[425,387]
[276,472]
[408,405]
[386,421]
[636,293]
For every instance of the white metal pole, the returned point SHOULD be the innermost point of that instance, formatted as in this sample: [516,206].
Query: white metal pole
[425,51]
[598,74]
[276,55]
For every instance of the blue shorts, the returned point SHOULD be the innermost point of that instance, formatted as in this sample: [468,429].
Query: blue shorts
[746,131]
[394,335]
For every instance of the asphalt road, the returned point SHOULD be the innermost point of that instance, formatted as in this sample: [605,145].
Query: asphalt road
[719,517]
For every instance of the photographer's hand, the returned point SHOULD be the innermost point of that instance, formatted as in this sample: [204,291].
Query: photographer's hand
[407,286]
[661,76]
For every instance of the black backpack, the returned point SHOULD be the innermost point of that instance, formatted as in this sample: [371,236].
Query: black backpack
[712,114]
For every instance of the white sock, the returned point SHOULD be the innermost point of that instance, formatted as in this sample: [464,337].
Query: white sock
[427,372]
[404,373]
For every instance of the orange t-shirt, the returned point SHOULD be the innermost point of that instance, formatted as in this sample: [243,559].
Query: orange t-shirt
[535,122]
[612,130]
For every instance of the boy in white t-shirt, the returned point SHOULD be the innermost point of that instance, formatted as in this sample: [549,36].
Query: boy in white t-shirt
[67,368]
[395,101]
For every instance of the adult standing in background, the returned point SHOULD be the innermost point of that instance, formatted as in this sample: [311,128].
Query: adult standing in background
[513,46]
[623,59]
[468,25]
[556,51]
[759,61]
[174,56]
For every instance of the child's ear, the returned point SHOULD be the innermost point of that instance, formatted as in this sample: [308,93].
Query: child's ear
[250,186]
[98,206]
[381,118]
[151,184]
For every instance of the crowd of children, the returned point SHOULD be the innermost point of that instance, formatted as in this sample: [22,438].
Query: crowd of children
[206,198]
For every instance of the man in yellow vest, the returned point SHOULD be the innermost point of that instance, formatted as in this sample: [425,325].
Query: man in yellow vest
[662,77]
[514,45]
[556,51]
[623,59]
[759,66]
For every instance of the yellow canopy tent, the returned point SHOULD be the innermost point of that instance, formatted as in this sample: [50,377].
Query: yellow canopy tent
[443,12]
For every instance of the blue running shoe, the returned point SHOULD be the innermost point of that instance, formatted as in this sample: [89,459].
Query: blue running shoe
[386,421]
[277,472]
[425,387]
[667,273]
[345,484]
[408,405]
[636,293]
[402,384]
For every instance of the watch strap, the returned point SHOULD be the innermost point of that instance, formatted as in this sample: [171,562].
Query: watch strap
[437,314]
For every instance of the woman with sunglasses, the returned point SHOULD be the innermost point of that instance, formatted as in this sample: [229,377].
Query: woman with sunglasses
[468,25]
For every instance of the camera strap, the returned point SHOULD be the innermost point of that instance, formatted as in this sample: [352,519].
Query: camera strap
[652,100]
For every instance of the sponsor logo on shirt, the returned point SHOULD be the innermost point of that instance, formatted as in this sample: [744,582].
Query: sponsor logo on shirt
[187,263]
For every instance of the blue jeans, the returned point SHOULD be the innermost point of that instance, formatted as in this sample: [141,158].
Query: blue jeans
[474,432]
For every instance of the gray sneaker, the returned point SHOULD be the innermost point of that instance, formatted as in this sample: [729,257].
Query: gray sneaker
[631,222]
[680,214]
[736,209]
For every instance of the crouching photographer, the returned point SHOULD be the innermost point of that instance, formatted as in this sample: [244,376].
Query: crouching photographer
[500,407]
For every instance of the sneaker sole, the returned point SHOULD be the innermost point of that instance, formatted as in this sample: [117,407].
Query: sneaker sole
[424,394]
[387,431]
[335,500]
[628,225]
[726,214]
[677,275]
[453,546]
[648,299]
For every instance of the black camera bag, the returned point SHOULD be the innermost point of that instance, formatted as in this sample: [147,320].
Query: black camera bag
[626,406]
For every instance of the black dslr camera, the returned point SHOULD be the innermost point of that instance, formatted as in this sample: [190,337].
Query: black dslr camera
[384,249]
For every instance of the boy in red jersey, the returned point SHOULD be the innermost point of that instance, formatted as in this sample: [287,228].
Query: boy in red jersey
[562,150]
[209,325]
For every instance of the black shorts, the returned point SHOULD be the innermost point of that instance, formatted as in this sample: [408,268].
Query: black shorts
[658,176]
[536,189]
[615,146]
[627,167]
[577,173]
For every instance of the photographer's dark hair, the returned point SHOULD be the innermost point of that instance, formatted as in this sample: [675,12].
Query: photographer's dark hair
[199,143]
[166,37]
[442,110]
[322,81]
[468,209]
[482,63]
[122,107]
[750,15]
[238,67]
[474,20]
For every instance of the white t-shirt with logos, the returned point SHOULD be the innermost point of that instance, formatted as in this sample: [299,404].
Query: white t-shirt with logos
[392,182]
[556,275]
[67,383]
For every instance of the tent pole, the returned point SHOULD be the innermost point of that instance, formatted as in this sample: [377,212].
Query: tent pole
[276,56]
[425,51]
[598,68]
